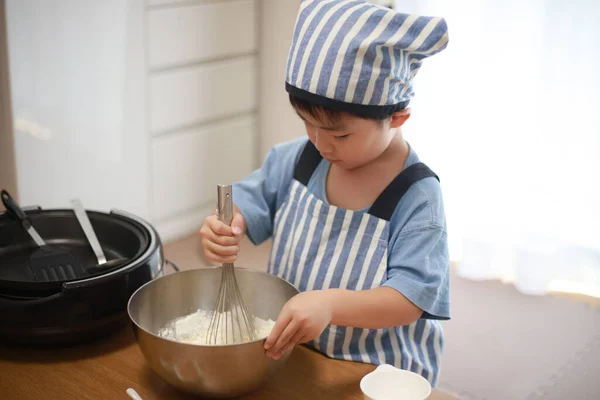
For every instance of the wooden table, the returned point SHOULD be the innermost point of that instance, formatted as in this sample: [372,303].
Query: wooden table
[105,369]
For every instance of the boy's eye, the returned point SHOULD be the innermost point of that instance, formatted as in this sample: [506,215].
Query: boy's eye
[341,137]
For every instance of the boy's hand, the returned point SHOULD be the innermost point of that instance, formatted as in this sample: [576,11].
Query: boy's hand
[302,319]
[220,242]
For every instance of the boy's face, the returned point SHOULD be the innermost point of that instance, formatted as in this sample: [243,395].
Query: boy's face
[351,142]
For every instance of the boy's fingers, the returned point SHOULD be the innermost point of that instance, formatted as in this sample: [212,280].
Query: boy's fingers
[283,320]
[218,227]
[207,234]
[298,336]
[290,330]
[304,339]
[224,240]
[295,340]
[217,258]
[283,351]
[222,250]
[237,224]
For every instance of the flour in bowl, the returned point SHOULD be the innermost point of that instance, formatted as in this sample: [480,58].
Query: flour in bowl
[193,329]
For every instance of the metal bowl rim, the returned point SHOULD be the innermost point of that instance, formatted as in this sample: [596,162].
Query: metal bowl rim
[192,271]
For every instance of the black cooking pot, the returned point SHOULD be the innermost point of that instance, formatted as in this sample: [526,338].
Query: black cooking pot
[90,306]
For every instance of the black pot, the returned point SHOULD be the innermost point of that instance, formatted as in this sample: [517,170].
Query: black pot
[72,311]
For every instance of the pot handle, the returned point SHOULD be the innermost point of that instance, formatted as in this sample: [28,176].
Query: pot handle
[13,209]
[27,302]
[172,264]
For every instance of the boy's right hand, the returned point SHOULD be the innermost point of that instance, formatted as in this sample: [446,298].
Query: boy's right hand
[220,242]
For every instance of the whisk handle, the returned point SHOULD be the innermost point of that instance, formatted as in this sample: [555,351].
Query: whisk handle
[224,203]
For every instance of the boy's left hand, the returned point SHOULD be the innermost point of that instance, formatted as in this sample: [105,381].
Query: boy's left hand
[302,319]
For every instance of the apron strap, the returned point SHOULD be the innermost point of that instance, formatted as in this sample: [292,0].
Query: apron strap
[385,204]
[307,164]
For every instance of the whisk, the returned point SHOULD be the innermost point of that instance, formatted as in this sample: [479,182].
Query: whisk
[231,322]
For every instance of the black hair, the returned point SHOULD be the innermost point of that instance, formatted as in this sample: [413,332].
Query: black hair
[329,111]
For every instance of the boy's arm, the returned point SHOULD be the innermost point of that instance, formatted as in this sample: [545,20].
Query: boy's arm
[382,307]
[306,315]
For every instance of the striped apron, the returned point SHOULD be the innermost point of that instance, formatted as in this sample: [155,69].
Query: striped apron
[319,246]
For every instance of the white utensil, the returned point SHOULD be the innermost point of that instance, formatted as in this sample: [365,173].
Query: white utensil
[133,394]
[90,234]
[390,383]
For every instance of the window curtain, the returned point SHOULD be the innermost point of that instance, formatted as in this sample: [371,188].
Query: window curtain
[509,117]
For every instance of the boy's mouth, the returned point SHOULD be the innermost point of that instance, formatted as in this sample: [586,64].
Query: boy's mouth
[329,158]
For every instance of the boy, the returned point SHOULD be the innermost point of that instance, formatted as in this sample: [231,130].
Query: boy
[357,221]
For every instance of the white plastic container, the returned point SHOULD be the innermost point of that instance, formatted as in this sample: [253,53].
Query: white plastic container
[390,383]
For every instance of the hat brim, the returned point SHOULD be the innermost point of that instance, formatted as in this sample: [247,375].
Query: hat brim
[362,110]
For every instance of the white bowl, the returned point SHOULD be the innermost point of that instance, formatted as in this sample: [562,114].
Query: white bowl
[390,383]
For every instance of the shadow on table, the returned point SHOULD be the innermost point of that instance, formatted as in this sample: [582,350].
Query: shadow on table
[115,341]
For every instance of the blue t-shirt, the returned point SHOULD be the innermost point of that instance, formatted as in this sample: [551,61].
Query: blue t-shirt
[418,260]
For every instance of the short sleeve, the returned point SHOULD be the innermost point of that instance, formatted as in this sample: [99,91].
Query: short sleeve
[418,256]
[259,194]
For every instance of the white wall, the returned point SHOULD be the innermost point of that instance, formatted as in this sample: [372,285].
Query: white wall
[78,88]
[202,80]
[277,120]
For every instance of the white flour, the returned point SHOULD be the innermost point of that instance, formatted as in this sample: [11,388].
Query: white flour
[193,329]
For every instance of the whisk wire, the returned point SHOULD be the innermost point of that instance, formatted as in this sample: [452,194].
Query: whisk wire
[245,313]
[214,319]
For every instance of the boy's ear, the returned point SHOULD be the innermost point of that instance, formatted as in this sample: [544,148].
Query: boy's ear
[399,118]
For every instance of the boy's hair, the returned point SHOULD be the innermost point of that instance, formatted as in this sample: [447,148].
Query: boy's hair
[328,116]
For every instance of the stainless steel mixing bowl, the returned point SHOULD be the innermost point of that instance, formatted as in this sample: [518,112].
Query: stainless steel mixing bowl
[221,371]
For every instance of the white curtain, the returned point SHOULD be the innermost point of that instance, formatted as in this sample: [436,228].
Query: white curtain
[509,117]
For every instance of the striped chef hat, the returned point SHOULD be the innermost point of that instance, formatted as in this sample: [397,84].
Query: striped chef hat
[354,56]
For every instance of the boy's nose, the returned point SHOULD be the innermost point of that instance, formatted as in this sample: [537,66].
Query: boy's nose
[322,143]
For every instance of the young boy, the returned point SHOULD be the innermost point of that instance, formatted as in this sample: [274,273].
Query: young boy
[357,220]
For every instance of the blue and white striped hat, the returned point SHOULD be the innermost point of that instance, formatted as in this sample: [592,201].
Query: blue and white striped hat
[354,56]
